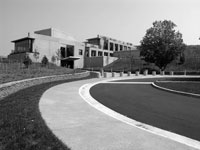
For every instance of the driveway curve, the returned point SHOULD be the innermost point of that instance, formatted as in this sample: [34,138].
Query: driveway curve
[144,103]
[81,126]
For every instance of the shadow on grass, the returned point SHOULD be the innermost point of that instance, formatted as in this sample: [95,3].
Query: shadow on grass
[21,124]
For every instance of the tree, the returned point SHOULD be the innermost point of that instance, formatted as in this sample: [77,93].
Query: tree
[44,61]
[36,54]
[181,59]
[58,55]
[161,44]
[27,61]
[53,59]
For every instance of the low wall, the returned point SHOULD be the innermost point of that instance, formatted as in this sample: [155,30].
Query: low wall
[12,87]
[92,62]
[98,62]
[108,60]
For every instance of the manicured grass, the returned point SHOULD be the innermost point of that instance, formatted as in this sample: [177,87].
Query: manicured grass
[169,111]
[189,87]
[161,79]
[21,124]
[12,72]
[188,84]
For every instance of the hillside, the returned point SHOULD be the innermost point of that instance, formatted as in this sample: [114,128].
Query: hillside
[131,61]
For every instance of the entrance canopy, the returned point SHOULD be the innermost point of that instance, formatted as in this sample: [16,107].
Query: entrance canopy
[71,58]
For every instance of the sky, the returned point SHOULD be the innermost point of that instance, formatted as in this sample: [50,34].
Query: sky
[125,20]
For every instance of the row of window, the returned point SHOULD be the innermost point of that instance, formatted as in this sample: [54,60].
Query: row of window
[115,47]
[23,46]
[95,53]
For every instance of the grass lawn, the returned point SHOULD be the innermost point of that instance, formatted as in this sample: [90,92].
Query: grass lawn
[189,87]
[14,71]
[21,125]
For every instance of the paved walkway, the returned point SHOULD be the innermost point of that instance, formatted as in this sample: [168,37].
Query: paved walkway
[82,127]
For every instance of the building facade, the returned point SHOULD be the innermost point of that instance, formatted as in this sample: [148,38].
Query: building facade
[52,43]
[106,46]
[65,51]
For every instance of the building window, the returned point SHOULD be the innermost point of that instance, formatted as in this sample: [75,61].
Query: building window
[111,46]
[70,50]
[105,54]
[87,53]
[121,47]
[125,48]
[63,52]
[116,47]
[23,46]
[80,52]
[105,46]
[93,53]
[100,53]
[111,54]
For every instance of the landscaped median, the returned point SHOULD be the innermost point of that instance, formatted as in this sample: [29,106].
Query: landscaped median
[21,125]
[189,86]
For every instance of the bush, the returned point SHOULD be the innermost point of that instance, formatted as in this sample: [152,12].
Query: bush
[44,61]
[27,61]
[53,59]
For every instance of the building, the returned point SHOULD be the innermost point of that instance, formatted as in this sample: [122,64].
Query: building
[105,46]
[50,43]
[99,51]
[68,52]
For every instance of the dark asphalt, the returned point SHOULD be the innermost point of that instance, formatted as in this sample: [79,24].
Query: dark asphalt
[173,112]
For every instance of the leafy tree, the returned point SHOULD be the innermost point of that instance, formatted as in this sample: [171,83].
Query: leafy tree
[58,55]
[44,61]
[36,54]
[161,44]
[53,59]
[27,61]
[182,59]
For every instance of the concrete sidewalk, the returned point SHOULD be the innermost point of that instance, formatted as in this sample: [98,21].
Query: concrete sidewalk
[80,126]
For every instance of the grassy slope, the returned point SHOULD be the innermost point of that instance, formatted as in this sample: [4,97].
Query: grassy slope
[14,72]
[21,125]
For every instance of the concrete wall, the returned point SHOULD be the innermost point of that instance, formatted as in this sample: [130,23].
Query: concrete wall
[95,41]
[98,62]
[93,62]
[108,60]
[80,62]
[130,53]
[46,47]
[44,32]
[49,46]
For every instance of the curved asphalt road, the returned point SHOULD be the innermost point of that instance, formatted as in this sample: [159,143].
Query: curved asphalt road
[141,102]
[81,126]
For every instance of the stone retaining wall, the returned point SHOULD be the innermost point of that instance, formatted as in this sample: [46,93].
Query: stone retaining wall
[12,87]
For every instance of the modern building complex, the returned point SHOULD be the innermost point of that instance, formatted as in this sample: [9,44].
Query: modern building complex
[65,51]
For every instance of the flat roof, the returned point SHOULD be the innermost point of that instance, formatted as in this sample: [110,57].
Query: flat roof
[22,39]
[112,39]
[93,38]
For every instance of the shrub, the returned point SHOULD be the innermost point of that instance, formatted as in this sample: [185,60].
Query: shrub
[53,59]
[44,61]
[27,61]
